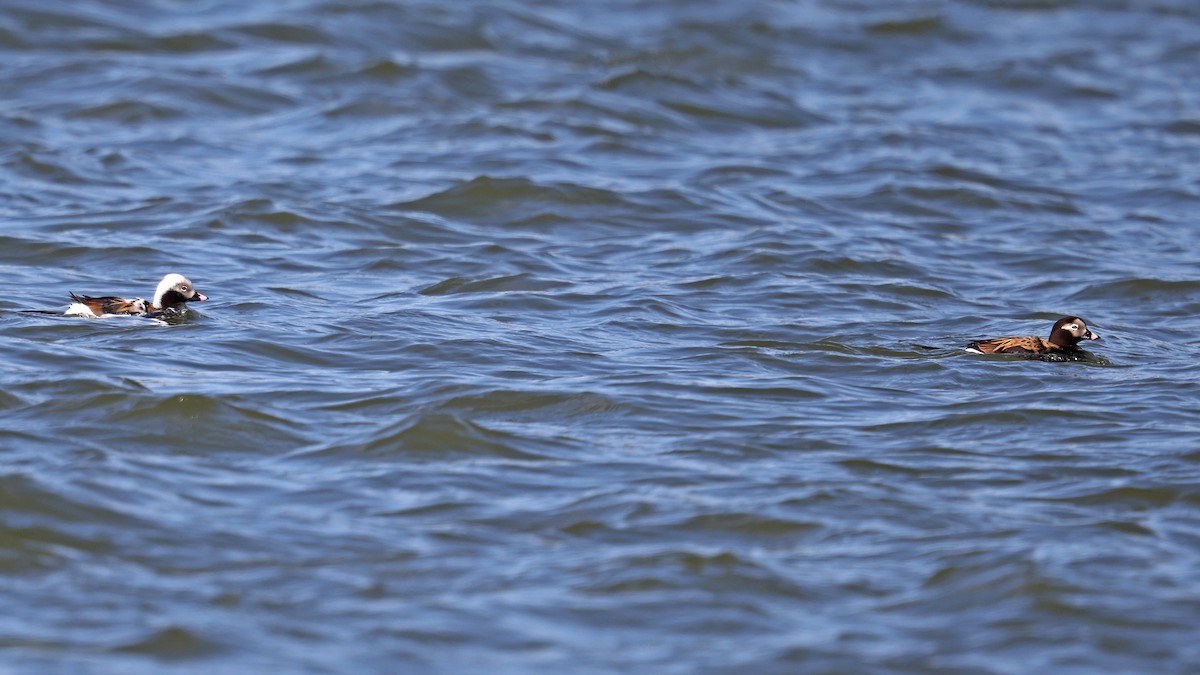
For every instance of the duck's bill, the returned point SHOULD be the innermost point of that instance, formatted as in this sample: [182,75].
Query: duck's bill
[1089,335]
[199,297]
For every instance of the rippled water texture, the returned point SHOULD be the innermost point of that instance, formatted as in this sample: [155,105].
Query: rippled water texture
[593,337]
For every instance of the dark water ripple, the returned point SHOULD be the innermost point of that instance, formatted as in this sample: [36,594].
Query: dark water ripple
[618,336]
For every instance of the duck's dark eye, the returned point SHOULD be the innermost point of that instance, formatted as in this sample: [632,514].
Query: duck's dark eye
[183,288]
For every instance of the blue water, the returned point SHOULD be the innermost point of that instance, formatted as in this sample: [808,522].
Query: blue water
[600,337]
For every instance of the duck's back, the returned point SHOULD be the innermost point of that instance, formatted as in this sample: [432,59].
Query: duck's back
[86,305]
[1013,345]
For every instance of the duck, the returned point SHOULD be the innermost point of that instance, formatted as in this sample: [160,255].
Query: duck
[1062,345]
[169,297]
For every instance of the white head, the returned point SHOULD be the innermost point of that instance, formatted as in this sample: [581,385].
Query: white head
[176,289]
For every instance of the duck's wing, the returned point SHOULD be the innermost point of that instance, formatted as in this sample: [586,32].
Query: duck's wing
[108,304]
[1011,345]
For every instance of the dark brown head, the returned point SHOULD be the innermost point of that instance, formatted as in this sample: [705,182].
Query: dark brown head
[1069,330]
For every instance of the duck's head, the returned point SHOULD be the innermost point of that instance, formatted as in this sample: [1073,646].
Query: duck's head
[1069,330]
[176,289]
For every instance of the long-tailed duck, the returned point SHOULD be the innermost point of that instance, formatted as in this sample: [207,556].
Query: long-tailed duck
[173,291]
[1062,345]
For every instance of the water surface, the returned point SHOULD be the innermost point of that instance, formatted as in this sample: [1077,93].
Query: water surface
[600,337]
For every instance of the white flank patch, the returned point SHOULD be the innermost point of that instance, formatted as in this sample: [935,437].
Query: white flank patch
[79,309]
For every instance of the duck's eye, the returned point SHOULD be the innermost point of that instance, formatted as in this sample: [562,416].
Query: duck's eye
[183,287]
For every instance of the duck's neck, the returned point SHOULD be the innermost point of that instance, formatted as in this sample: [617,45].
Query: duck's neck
[169,300]
[1063,339]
